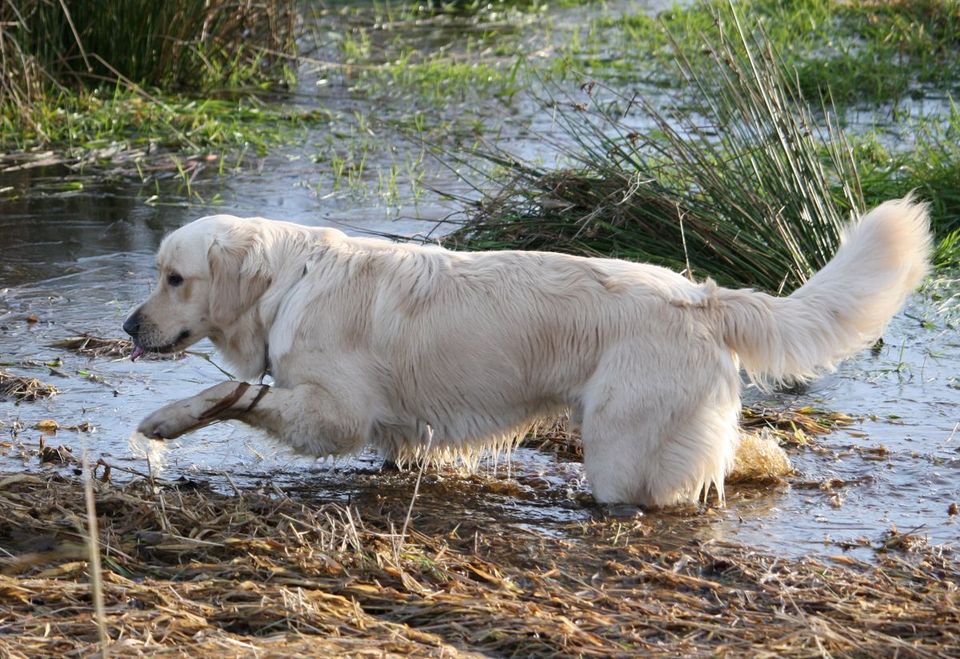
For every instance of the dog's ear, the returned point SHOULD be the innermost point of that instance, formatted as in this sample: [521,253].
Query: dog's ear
[239,274]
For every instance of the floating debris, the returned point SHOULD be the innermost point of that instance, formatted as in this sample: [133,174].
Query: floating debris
[895,540]
[59,455]
[556,436]
[95,346]
[190,570]
[762,428]
[759,458]
[24,388]
[794,425]
[52,426]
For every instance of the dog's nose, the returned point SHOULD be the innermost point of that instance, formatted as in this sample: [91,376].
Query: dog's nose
[132,325]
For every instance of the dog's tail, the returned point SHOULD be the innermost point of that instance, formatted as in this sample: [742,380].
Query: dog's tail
[842,308]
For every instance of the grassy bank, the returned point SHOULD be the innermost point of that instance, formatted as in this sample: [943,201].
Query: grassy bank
[281,571]
[746,170]
[135,74]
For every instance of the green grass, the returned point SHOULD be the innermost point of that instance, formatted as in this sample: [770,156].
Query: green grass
[930,168]
[432,56]
[754,194]
[90,121]
[437,81]
[864,52]
[175,44]
[76,74]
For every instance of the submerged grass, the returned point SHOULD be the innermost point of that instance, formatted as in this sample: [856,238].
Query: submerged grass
[189,570]
[432,55]
[122,127]
[858,51]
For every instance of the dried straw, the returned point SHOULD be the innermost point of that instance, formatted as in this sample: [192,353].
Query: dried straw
[95,346]
[190,571]
[24,388]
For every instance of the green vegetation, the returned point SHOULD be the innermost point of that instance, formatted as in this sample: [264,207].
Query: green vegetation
[88,122]
[673,121]
[930,167]
[748,199]
[433,55]
[186,44]
[744,172]
[863,51]
[76,74]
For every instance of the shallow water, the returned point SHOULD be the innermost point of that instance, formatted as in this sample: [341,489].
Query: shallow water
[78,260]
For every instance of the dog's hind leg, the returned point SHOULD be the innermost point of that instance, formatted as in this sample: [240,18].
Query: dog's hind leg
[308,417]
[660,427]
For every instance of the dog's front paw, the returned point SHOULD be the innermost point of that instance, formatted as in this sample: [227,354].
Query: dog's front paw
[209,406]
[167,423]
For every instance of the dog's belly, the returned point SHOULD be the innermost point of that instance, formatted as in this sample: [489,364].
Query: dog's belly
[458,431]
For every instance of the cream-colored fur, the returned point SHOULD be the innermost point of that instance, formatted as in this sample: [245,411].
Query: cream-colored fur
[375,343]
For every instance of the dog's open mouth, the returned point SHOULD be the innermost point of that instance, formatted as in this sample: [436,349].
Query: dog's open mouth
[139,350]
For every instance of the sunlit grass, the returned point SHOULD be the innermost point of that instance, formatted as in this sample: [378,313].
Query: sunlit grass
[91,121]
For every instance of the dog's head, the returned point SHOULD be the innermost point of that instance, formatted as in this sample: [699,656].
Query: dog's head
[212,272]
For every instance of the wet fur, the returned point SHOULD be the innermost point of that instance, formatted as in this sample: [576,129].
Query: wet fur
[394,345]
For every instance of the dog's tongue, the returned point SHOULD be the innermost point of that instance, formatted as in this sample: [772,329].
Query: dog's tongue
[137,352]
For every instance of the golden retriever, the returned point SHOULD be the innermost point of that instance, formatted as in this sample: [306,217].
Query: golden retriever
[414,349]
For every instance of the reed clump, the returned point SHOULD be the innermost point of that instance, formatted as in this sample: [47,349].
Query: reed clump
[741,183]
[186,569]
[51,52]
[183,44]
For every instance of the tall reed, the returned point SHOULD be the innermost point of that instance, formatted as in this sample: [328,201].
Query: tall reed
[48,46]
[743,184]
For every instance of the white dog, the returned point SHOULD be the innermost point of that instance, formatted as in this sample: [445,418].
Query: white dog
[375,343]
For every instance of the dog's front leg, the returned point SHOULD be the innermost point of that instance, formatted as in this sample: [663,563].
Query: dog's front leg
[227,400]
[312,419]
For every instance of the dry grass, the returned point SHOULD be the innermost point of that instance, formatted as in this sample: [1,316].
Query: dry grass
[793,425]
[188,571]
[95,346]
[24,388]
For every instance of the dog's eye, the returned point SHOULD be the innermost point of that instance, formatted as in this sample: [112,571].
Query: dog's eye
[174,279]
